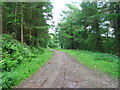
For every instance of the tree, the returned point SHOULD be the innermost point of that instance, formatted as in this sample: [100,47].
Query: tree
[26,21]
[90,28]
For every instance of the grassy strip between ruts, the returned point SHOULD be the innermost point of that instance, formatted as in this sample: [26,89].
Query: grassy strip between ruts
[106,63]
[26,69]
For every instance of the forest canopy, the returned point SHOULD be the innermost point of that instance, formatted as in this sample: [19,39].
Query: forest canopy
[94,27]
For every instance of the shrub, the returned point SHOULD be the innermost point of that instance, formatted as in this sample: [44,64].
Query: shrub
[19,61]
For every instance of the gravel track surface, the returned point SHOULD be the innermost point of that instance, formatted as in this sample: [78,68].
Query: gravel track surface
[62,71]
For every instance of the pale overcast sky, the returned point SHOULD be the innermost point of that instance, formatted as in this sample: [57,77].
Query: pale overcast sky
[58,6]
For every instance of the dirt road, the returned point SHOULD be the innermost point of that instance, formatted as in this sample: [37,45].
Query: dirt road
[64,72]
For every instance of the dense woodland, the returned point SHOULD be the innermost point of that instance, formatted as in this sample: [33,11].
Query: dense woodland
[26,21]
[94,27]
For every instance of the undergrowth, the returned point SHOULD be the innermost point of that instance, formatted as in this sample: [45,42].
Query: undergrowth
[19,61]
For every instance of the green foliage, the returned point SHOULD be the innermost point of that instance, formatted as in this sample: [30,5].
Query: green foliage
[19,61]
[29,18]
[53,41]
[14,53]
[106,63]
[93,26]
[26,22]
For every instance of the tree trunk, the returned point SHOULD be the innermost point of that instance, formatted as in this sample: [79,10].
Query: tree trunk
[97,37]
[118,30]
[30,36]
[14,26]
[21,23]
[36,41]
[30,26]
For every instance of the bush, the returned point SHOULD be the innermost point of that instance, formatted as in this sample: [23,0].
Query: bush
[14,53]
[19,61]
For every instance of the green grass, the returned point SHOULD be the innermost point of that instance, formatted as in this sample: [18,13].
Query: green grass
[106,63]
[23,71]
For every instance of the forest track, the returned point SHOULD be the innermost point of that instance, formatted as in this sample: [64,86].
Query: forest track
[62,71]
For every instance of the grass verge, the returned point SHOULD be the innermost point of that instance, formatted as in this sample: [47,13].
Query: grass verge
[106,63]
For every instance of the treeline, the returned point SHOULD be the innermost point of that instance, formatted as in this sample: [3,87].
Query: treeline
[27,21]
[93,26]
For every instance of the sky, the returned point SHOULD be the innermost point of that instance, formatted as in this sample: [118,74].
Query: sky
[58,6]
